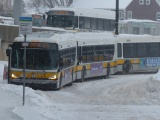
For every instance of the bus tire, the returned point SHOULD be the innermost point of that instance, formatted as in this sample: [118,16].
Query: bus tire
[108,71]
[83,73]
[127,67]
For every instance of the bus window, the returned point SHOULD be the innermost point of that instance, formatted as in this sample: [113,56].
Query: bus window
[154,50]
[84,54]
[87,23]
[73,54]
[101,53]
[81,22]
[119,50]
[109,52]
[67,58]
[94,23]
[141,50]
[100,24]
[128,50]
[90,53]
[135,30]
[76,22]
[107,25]
[62,55]
[60,21]
[79,56]
[112,25]
[35,58]
[111,47]
[96,53]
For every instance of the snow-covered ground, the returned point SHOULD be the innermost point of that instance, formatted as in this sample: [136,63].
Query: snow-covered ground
[121,97]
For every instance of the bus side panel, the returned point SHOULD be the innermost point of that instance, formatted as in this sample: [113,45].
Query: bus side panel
[66,76]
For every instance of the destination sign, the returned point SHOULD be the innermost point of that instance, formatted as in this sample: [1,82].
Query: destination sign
[36,45]
[61,13]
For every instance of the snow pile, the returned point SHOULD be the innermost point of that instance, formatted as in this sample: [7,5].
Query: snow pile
[156,76]
[135,92]
[35,102]
[129,96]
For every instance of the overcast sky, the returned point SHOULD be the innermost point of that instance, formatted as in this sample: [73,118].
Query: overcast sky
[101,3]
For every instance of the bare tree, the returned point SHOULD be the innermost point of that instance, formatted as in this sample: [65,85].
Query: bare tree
[39,4]
[50,3]
[5,6]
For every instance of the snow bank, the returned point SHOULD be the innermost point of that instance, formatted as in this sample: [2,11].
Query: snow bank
[145,91]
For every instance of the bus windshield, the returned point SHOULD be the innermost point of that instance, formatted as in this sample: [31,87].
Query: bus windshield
[61,21]
[36,58]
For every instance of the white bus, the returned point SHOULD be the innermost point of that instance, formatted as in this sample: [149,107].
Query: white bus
[138,53]
[78,18]
[55,60]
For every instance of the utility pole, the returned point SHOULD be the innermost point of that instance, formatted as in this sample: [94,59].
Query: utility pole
[117,17]
[17,10]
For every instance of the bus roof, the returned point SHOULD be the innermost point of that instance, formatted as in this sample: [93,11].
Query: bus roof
[131,38]
[95,13]
[69,39]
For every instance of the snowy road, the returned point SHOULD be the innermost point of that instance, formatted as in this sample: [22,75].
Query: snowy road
[121,97]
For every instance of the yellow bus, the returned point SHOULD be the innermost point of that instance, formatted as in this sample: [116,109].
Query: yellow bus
[57,59]
[96,52]
[138,53]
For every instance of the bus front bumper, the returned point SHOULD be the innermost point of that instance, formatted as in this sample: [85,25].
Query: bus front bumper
[35,82]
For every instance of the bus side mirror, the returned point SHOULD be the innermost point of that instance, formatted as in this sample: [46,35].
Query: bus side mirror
[8,51]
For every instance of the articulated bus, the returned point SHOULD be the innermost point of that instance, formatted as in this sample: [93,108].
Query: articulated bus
[58,59]
[55,60]
[81,19]
[138,53]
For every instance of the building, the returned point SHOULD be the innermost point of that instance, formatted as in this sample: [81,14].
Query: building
[140,27]
[128,9]
[143,9]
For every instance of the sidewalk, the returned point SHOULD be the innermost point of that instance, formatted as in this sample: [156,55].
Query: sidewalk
[7,103]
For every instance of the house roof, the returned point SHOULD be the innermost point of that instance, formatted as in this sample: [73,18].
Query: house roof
[104,4]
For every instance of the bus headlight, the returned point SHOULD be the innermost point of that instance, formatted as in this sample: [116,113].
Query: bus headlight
[14,76]
[54,77]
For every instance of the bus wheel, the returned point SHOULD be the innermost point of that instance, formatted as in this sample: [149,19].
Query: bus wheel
[83,74]
[108,71]
[127,67]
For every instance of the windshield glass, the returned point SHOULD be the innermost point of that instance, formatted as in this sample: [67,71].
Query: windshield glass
[60,21]
[37,58]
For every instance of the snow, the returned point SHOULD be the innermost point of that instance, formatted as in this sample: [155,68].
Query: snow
[137,20]
[6,20]
[121,97]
